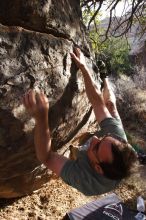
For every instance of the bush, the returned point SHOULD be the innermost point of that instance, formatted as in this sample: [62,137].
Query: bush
[117,50]
[131,99]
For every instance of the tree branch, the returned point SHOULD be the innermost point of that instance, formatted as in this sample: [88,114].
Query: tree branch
[124,23]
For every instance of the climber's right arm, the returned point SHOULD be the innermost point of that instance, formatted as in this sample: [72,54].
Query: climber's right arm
[38,105]
[93,92]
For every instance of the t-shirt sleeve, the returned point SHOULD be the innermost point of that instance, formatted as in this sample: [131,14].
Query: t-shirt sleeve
[80,176]
[73,175]
[112,126]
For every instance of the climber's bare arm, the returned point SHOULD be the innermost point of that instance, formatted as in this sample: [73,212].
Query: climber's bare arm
[93,92]
[110,99]
[38,106]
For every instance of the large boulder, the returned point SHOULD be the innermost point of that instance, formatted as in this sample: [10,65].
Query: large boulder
[36,38]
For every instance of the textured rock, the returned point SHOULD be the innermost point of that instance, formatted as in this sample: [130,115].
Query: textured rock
[35,53]
[60,18]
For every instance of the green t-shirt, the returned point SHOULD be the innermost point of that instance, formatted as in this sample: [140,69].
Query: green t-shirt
[79,173]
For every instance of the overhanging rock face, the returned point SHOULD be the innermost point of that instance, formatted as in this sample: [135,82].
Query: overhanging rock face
[36,38]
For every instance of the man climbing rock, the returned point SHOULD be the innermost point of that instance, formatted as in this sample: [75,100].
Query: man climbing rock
[105,159]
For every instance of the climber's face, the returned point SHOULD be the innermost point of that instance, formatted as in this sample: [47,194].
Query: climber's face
[100,150]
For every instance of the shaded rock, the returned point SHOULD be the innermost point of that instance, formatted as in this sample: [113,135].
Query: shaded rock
[60,18]
[38,58]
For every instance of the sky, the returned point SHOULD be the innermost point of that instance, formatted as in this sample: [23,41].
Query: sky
[119,9]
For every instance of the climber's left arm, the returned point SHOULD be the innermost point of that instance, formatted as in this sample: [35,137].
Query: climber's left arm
[38,106]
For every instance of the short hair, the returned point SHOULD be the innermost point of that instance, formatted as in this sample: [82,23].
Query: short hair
[124,158]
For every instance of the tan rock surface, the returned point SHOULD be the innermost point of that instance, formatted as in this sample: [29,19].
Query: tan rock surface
[36,38]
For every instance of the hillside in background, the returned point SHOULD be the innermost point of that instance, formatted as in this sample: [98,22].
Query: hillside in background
[133,36]
[136,41]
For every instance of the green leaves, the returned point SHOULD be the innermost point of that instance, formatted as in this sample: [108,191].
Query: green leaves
[115,49]
[118,52]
